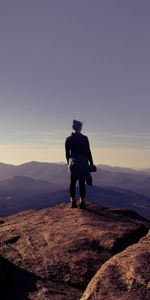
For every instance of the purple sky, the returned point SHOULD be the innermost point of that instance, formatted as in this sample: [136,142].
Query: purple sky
[64,59]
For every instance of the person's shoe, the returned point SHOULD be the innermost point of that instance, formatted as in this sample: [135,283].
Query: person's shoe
[73,203]
[82,204]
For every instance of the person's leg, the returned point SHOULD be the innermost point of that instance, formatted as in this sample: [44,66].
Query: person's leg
[82,190]
[73,191]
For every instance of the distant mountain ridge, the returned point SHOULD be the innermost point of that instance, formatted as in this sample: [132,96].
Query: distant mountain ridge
[126,178]
[36,170]
[37,185]
[22,193]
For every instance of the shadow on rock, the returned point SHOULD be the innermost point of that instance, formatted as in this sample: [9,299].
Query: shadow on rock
[16,283]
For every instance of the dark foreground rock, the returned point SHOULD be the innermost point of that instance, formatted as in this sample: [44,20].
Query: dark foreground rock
[53,253]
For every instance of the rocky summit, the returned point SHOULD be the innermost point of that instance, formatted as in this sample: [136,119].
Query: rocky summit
[54,253]
[126,276]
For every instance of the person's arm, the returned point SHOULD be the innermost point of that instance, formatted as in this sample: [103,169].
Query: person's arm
[89,153]
[67,150]
[90,158]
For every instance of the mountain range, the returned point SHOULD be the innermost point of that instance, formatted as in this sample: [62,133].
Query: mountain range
[37,185]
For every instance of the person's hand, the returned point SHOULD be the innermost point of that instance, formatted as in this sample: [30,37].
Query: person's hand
[93,168]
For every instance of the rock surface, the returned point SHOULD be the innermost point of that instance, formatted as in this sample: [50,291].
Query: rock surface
[126,276]
[53,253]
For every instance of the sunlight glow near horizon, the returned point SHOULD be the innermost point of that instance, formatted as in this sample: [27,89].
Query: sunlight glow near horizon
[18,154]
[114,149]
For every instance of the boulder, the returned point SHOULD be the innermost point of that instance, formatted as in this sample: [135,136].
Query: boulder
[126,276]
[58,250]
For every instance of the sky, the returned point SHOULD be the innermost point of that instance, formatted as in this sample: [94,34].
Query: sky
[75,59]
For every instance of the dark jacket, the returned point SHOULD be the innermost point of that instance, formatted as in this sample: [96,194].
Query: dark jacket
[78,144]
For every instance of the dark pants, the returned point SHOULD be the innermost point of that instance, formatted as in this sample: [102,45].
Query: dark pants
[82,189]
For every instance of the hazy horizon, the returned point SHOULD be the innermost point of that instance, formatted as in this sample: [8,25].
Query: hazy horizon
[64,162]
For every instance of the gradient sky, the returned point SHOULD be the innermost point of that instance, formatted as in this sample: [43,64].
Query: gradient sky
[83,59]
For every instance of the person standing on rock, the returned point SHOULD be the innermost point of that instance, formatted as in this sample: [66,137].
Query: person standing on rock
[80,161]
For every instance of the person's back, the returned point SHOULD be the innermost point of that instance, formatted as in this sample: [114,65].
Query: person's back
[78,144]
[78,156]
